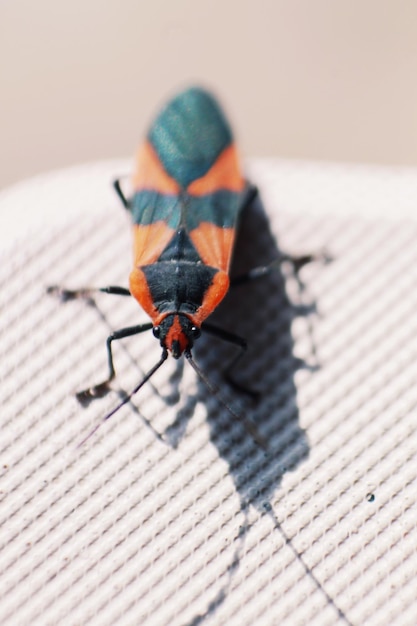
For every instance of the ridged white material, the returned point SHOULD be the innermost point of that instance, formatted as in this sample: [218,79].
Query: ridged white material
[199,525]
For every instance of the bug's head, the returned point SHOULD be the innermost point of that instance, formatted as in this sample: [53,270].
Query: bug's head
[176,333]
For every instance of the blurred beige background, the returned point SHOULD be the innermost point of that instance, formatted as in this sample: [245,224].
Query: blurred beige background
[328,80]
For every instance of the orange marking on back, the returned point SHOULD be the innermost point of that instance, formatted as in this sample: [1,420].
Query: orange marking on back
[149,242]
[224,174]
[214,244]
[212,298]
[140,291]
[150,174]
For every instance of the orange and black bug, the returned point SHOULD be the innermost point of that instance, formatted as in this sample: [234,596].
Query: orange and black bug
[188,195]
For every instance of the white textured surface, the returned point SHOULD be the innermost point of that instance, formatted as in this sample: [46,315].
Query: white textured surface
[132,529]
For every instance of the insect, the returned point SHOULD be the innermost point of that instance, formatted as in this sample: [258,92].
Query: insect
[189,193]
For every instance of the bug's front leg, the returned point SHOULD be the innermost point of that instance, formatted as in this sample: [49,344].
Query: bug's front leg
[101,389]
[98,391]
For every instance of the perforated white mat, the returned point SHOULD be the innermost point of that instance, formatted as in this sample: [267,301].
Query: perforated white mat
[171,514]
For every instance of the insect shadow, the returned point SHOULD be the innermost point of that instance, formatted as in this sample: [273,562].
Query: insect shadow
[262,312]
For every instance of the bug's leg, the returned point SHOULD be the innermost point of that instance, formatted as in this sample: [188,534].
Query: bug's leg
[99,390]
[119,191]
[85,292]
[297,262]
[237,341]
[114,289]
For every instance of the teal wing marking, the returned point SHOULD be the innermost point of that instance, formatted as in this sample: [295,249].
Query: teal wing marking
[148,207]
[221,208]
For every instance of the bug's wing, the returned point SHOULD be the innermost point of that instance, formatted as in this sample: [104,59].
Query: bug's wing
[211,225]
[212,212]
[155,207]
[156,218]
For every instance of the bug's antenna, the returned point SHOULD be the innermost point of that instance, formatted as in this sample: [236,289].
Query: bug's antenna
[129,396]
[216,392]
